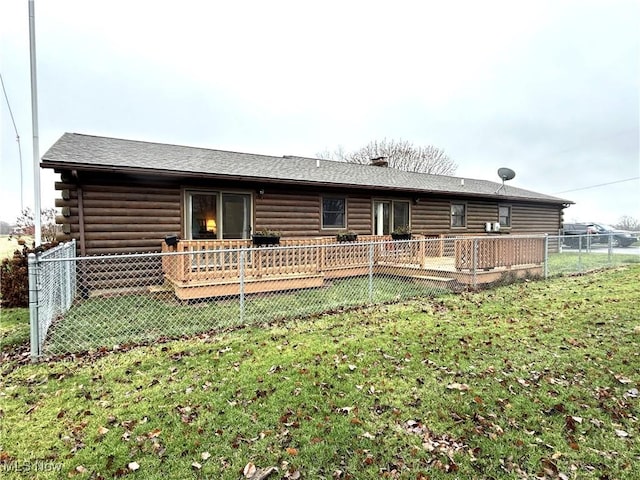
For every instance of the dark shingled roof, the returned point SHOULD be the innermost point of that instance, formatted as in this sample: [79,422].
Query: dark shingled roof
[87,152]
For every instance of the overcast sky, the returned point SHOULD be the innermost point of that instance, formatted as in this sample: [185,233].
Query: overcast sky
[547,88]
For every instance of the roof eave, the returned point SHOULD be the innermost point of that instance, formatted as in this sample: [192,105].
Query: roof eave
[60,166]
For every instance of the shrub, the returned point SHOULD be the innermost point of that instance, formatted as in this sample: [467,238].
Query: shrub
[14,276]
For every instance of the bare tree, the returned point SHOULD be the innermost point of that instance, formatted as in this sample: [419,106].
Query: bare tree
[401,154]
[26,223]
[627,222]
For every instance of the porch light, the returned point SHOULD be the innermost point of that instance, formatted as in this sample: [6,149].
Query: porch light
[211,225]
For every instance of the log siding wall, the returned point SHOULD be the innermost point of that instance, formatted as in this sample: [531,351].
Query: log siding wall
[122,214]
[119,219]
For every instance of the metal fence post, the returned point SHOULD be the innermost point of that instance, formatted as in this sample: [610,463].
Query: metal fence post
[579,253]
[72,273]
[242,256]
[610,252]
[371,245]
[33,306]
[546,255]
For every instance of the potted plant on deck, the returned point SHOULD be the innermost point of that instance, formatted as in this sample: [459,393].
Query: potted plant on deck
[266,237]
[347,236]
[401,233]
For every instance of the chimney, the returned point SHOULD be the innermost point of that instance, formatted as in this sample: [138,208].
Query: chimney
[379,162]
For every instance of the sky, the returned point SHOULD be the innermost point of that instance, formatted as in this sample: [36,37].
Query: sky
[549,89]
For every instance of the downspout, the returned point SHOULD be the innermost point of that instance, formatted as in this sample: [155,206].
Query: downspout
[83,250]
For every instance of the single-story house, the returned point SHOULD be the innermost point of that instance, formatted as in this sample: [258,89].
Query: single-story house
[124,196]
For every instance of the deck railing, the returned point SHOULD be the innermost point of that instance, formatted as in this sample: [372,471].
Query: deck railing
[497,252]
[219,260]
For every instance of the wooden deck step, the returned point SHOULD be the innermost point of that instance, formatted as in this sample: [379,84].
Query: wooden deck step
[275,283]
[433,279]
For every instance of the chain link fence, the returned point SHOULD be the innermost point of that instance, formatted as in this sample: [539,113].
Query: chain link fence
[584,253]
[52,289]
[194,287]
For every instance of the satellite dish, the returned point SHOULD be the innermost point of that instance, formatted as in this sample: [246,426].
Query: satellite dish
[506,173]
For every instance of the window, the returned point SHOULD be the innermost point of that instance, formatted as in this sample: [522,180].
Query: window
[217,215]
[458,215]
[400,215]
[390,215]
[333,212]
[504,215]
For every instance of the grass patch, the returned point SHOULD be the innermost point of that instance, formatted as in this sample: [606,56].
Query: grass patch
[14,328]
[129,319]
[533,379]
[8,245]
[576,262]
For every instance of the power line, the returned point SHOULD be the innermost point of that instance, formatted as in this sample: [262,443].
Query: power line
[598,185]
[15,128]
[594,140]
[582,146]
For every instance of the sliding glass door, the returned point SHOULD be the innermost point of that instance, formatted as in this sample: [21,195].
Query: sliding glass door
[390,215]
[217,215]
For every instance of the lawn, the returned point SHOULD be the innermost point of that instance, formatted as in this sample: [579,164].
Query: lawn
[14,328]
[569,262]
[97,322]
[536,379]
[109,321]
[8,245]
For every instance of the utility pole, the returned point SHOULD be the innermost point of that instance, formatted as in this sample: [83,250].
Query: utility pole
[34,126]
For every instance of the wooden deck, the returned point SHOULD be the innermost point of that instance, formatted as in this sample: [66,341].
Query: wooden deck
[212,268]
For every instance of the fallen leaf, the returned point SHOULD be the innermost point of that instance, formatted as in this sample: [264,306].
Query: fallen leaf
[621,433]
[103,431]
[196,465]
[133,466]
[458,386]
[622,379]
[205,455]
[249,470]
[81,469]
[368,435]
[292,451]
[154,433]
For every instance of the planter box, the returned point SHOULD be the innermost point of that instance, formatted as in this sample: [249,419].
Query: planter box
[401,236]
[265,240]
[347,237]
